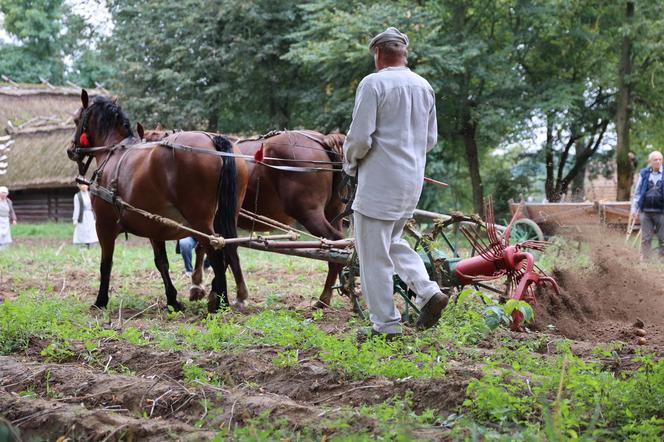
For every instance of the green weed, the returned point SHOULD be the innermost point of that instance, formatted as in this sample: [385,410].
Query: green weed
[44,317]
[568,398]
[286,358]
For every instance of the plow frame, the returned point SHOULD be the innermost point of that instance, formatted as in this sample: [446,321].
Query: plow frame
[437,263]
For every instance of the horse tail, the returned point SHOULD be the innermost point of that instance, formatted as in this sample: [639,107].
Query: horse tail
[224,219]
[334,146]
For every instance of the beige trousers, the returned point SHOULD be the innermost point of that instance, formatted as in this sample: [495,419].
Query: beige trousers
[382,253]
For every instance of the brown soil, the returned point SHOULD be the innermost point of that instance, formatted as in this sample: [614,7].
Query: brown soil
[89,401]
[603,302]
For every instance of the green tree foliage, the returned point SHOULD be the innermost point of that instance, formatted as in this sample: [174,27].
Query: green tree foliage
[571,91]
[37,26]
[642,62]
[207,64]
[45,34]
[461,47]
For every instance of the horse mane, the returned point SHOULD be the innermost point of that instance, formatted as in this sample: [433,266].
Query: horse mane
[108,116]
[335,145]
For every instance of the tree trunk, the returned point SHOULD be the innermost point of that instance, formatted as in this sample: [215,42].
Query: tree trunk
[583,154]
[549,189]
[623,110]
[472,155]
[579,181]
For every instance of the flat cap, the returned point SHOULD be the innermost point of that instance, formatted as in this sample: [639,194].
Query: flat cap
[389,35]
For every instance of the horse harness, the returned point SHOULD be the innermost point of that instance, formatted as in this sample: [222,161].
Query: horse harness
[110,194]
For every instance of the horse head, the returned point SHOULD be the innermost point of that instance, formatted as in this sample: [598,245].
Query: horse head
[99,122]
[156,134]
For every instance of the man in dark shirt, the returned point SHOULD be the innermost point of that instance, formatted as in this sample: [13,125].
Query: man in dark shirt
[649,203]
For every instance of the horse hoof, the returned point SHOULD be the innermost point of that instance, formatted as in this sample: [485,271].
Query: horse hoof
[213,302]
[196,293]
[97,308]
[176,306]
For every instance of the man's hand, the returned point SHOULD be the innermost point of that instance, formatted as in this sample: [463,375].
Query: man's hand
[349,170]
[347,187]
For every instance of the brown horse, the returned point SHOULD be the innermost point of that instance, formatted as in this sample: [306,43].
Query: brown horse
[309,198]
[201,191]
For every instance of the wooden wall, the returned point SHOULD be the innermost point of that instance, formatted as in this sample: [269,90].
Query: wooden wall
[42,205]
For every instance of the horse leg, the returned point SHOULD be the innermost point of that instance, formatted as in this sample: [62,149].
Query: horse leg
[219,292]
[161,262]
[233,260]
[197,291]
[107,244]
[317,225]
[333,270]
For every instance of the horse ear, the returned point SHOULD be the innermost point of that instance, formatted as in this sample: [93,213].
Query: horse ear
[158,127]
[84,98]
[140,131]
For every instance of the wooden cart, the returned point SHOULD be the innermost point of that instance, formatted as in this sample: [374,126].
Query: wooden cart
[538,219]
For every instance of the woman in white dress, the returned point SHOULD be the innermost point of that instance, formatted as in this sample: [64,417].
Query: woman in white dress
[84,218]
[7,218]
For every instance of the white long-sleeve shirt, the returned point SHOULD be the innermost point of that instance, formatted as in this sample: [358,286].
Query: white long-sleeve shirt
[394,126]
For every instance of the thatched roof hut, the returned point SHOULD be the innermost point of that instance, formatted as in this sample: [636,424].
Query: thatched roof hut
[37,121]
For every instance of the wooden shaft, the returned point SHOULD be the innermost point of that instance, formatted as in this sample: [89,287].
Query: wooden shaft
[244,239]
[330,255]
[324,244]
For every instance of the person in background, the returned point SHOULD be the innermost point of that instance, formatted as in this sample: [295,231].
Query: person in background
[7,217]
[85,232]
[394,126]
[648,202]
[185,247]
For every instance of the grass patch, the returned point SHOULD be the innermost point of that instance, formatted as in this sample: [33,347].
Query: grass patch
[54,230]
[42,317]
[290,331]
[392,420]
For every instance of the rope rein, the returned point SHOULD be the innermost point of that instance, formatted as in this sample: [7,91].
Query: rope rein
[200,150]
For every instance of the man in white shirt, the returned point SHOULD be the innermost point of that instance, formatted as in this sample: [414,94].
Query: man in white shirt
[394,126]
[649,203]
